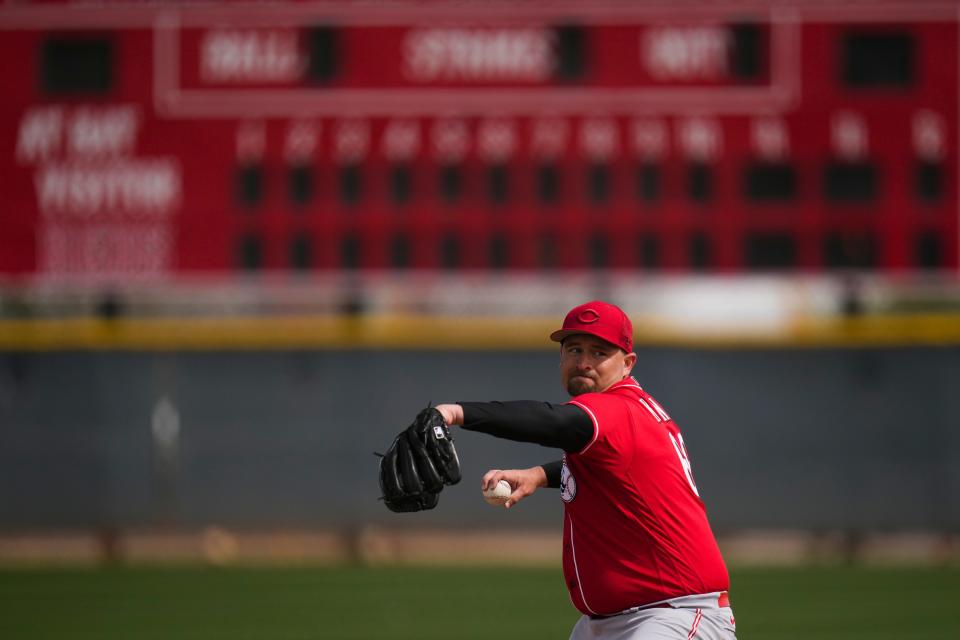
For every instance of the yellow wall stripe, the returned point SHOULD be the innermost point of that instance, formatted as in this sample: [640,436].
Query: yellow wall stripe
[430,332]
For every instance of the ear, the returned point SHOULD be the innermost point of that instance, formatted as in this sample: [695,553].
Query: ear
[628,361]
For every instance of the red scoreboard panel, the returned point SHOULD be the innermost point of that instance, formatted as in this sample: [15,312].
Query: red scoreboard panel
[158,139]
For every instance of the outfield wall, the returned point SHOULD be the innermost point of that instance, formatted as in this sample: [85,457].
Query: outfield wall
[825,438]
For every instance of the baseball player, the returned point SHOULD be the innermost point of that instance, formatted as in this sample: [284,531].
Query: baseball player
[639,557]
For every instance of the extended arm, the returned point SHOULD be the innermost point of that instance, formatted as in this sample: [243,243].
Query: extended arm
[563,426]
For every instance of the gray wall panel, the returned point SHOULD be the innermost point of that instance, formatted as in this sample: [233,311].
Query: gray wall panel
[820,438]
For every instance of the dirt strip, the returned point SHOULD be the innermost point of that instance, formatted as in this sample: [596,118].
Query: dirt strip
[383,547]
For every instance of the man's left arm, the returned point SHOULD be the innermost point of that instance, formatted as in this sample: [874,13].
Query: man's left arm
[561,426]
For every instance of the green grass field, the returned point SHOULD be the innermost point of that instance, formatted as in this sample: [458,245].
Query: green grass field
[271,604]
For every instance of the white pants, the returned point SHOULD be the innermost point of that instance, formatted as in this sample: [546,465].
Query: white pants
[682,623]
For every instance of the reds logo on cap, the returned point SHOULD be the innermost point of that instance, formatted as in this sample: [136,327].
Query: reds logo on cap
[588,316]
[601,319]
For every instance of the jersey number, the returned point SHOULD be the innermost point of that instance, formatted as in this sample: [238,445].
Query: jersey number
[661,416]
[681,450]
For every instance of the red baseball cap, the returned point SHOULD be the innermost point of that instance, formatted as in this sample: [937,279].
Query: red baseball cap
[601,319]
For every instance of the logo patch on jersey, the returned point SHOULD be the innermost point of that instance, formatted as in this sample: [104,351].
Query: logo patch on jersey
[568,484]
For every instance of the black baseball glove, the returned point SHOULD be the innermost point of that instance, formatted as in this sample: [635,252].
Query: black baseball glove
[420,461]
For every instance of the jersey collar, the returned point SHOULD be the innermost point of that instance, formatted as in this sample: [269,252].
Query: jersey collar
[626,382]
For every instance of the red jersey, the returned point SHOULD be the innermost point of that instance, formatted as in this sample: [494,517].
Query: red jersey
[635,530]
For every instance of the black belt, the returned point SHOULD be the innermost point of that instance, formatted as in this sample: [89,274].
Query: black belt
[659,605]
[723,600]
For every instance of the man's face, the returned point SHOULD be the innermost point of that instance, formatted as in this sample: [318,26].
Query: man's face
[589,364]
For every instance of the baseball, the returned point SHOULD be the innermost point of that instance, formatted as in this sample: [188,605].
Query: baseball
[499,494]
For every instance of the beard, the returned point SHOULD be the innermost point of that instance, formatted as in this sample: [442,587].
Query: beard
[579,385]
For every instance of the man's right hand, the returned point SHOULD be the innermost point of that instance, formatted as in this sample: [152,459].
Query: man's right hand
[523,482]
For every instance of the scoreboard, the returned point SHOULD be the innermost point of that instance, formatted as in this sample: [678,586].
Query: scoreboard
[159,139]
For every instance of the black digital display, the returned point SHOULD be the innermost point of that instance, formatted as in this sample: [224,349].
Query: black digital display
[878,60]
[77,64]
[850,182]
[770,251]
[770,182]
